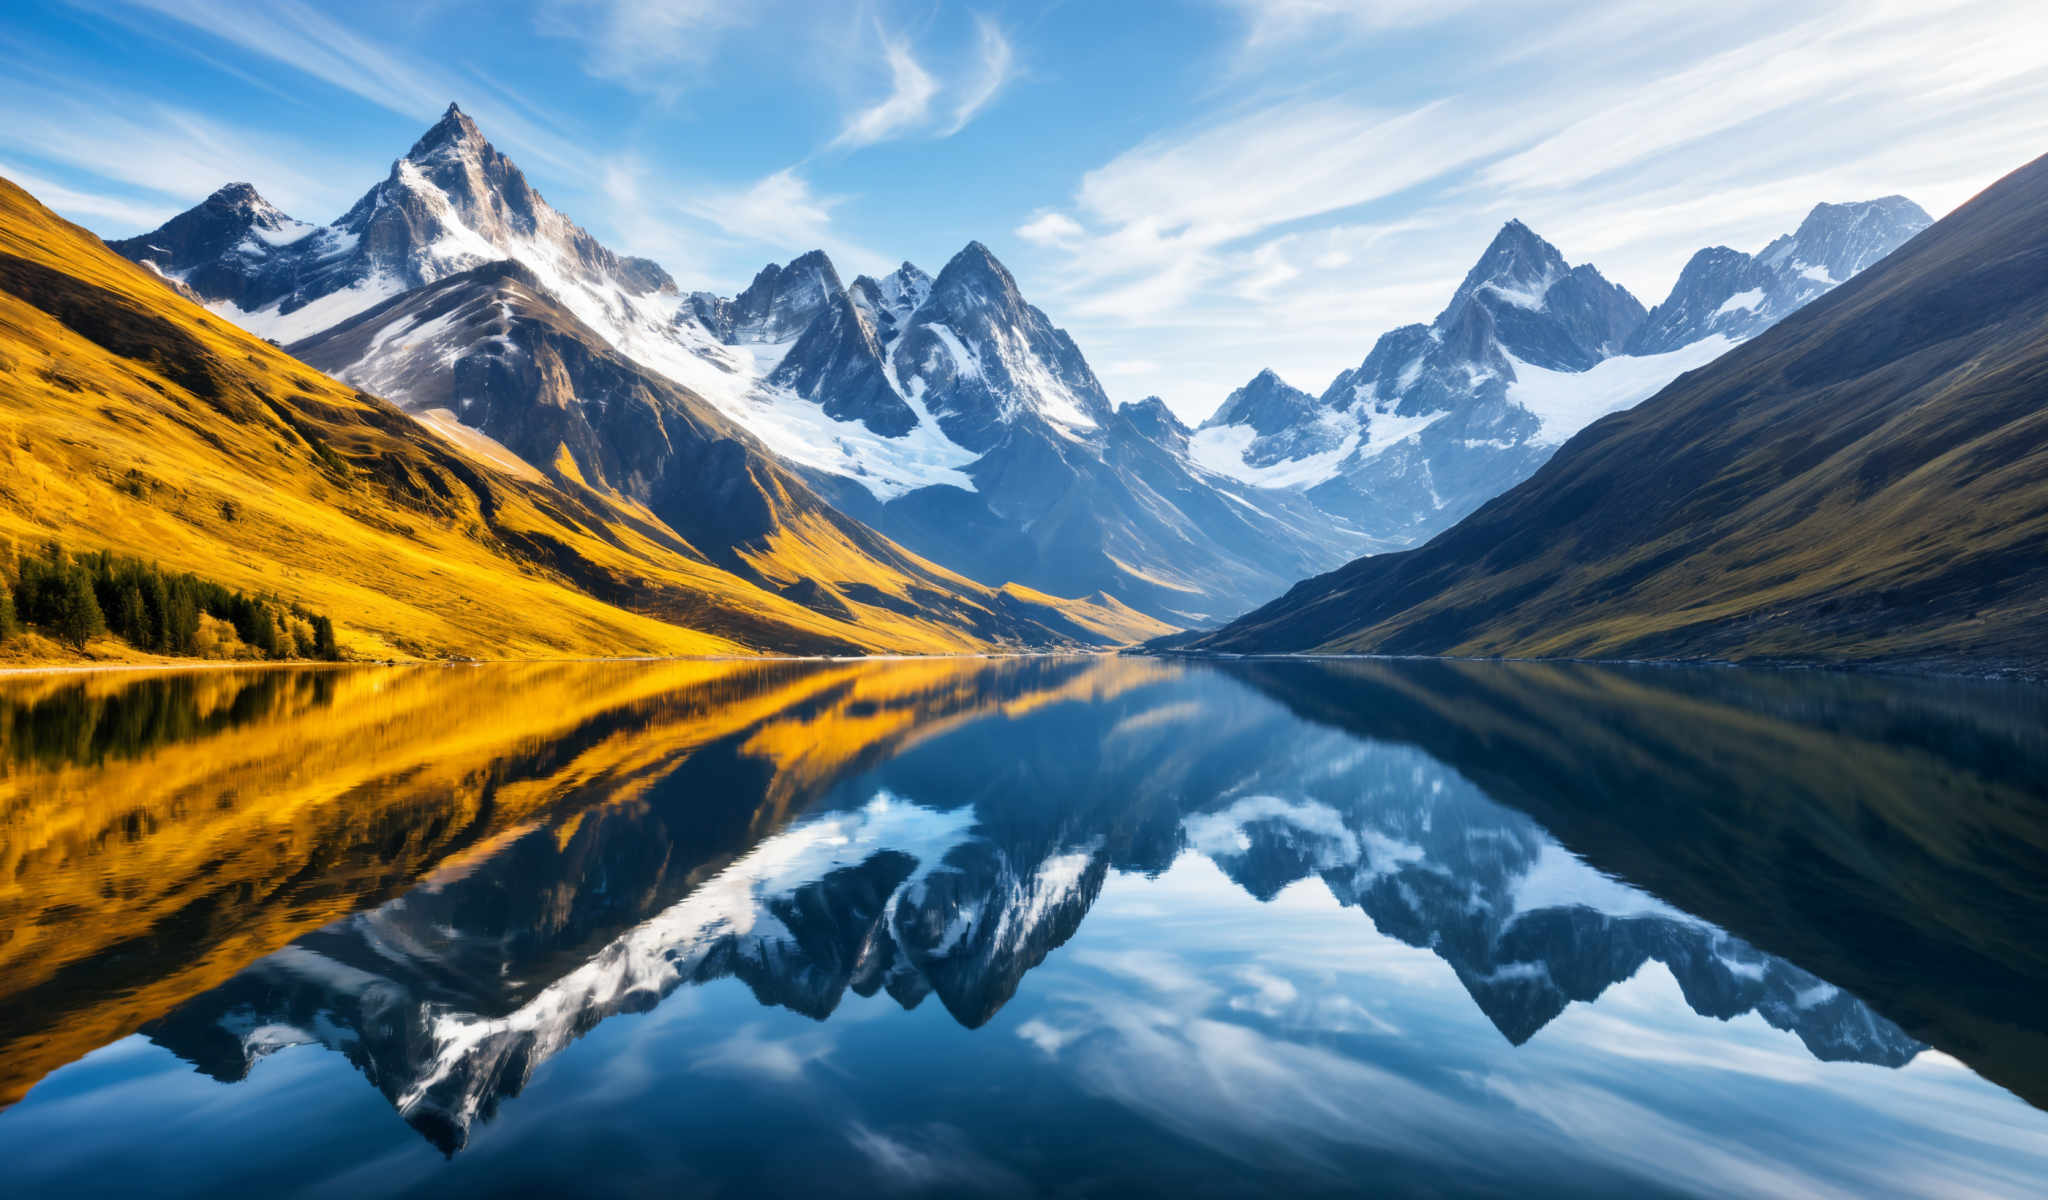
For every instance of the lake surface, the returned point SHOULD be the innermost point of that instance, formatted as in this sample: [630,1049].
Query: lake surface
[1085,926]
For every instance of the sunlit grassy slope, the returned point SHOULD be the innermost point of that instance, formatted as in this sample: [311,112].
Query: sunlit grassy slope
[133,420]
[1865,483]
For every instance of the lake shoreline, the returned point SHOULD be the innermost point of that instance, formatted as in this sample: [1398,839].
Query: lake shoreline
[50,670]
[2019,672]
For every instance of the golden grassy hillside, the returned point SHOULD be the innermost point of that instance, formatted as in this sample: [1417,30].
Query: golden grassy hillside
[133,420]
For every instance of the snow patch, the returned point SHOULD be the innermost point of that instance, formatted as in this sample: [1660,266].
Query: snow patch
[1568,401]
[1559,879]
[1748,301]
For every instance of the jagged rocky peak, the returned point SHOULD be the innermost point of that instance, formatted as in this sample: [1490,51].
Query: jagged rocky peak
[1517,266]
[886,303]
[454,202]
[1726,293]
[1541,309]
[453,135]
[453,162]
[782,301]
[1268,404]
[1155,422]
[218,243]
[243,202]
[984,361]
[1842,239]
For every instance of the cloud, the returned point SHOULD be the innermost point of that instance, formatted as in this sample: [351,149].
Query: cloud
[1051,228]
[296,36]
[77,205]
[911,89]
[744,1052]
[96,131]
[779,208]
[781,212]
[998,64]
[1277,21]
[645,46]
[921,103]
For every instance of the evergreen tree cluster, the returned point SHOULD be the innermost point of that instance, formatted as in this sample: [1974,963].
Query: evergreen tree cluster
[77,598]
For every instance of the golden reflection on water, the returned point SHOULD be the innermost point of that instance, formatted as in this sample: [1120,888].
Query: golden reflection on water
[157,833]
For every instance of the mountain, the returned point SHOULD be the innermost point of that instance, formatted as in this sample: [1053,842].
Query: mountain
[144,425]
[1861,483]
[946,412]
[1440,418]
[1052,484]
[454,289]
[451,204]
[1726,293]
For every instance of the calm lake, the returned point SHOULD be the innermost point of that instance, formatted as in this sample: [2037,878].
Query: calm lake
[1077,926]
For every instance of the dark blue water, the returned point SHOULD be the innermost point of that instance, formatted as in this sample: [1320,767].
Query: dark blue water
[1070,926]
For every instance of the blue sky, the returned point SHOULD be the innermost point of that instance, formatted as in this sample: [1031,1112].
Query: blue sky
[1195,189]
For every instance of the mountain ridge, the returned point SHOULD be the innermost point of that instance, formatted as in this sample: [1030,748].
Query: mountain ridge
[1440,418]
[1858,484]
[945,411]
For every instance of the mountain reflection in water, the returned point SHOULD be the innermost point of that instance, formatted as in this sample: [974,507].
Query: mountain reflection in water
[449,877]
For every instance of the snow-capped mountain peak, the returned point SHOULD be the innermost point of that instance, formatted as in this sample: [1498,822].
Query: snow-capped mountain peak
[1518,268]
[1267,404]
[1726,293]
[1842,239]
[1530,349]
[982,359]
[454,135]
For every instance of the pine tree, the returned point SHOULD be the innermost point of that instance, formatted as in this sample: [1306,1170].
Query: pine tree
[156,603]
[7,620]
[324,647]
[79,620]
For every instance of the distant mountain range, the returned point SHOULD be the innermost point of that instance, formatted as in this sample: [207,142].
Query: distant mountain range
[946,412]
[1863,482]
[1441,418]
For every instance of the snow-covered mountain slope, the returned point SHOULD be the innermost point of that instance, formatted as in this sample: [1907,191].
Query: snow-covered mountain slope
[1440,418]
[948,412]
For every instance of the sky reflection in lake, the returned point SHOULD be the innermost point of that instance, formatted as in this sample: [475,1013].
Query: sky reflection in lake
[975,927]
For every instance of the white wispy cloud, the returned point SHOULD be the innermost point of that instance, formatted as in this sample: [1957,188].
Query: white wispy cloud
[781,215]
[1278,21]
[1051,228]
[922,103]
[301,38]
[908,104]
[75,204]
[1296,219]
[648,47]
[134,144]
[997,66]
